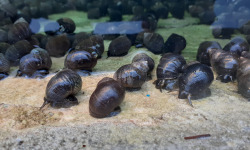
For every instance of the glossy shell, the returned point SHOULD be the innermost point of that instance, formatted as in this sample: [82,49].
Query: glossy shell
[36,64]
[19,31]
[243,77]
[245,54]
[4,67]
[145,57]
[80,60]
[168,71]
[174,44]
[61,89]
[119,46]
[57,46]
[107,96]
[236,46]
[67,25]
[130,77]
[194,82]
[224,64]
[203,55]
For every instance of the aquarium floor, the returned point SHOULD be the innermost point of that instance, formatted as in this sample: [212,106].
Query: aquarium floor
[149,119]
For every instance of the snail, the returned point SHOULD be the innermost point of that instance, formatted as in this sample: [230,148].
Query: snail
[174,44]
[243,77]
[81,60]
[195,81]
[4,67]
[202,54]
[61,89]
[36,64]
[67,25]
[150,62]
[16,51]
[245,54]
[106,98]
[236,46]
[168,71]
[154,42]
[224,64]
[130,77]
[119,46]
[57,46]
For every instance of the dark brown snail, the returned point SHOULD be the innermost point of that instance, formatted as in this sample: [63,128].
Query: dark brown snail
[4,67]
[130,77]
[236,46]
[203,55]
[245,54]
[174,44]
[105,100]
[243,77]
[168,71]
[16,51]
[57,46]
[67,25]
[119,46]
[144,57]
[81,61]
[154,42]
[61,89]
[195,81]
[35,65]
[224,64]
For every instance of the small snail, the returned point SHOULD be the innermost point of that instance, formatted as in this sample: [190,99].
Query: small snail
[119,46]
[58,45]
[106,98]
[67,25]
[4,67]
[224,64]
[174,44]
[245,54]
[154,42]
[130,77]
[202,54]
[36,64]
[194,82]
[236,46]
[243,77]
[168,71]
[144,57]
[61,89]
[81,60]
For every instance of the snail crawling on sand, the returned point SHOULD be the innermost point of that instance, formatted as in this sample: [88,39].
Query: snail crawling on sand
[4,67]
[224,64]
[61,89]
[168,71]
[82,61]
[132,76]
[35,65]
[105,100]
[195,81]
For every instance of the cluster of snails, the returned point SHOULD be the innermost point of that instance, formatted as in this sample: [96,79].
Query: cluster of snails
[193,79]
[229,63]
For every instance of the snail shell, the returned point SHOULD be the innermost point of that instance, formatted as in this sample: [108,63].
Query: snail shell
[224,64]
[4,67]
[236,46]
[203,55]
[144,57]
[61,89]
[119,46]
[243,77]
[174,44]
[154,42]
[194,82]
[168,71]
[36,64]
[3,47]
[19,31]
[81,60]
[130,77]
[16,51]
[106,98]
[245,54]
[57,46]
[67,25]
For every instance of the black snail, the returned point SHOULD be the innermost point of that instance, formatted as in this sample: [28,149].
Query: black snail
[36,64]
[168,71]
[130,77]
[61,89]
[236,46]
[243,77]
[106,98]
[195,81]
[224,64]
[144,57]
[119,46]
[203,55]
[4,67]
[81,61]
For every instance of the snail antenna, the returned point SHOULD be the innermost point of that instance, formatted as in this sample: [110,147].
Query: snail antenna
[44,104]
[189,100]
